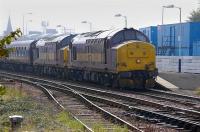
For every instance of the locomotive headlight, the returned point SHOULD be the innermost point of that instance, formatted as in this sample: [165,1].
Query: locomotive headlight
[138,61]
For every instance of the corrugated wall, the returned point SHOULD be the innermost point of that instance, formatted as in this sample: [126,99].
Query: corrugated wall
[167,38]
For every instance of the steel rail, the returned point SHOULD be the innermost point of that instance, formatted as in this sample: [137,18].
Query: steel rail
[175,94]
[108,93]
[50,96]
[81,98]
[180,122]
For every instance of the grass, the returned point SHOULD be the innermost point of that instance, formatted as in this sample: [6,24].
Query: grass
[38,115]
[66,119]
[100,128]
[197,91]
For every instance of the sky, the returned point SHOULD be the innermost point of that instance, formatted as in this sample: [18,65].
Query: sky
[70,13]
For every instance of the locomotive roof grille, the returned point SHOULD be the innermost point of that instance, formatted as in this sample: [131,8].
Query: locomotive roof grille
[113,36]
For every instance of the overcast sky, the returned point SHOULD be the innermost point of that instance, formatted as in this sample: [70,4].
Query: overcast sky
[70,13]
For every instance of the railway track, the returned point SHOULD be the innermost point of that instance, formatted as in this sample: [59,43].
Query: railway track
[85,115]
[169,94]
[167,114]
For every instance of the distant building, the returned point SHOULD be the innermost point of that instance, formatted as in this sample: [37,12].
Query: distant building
[186,36]
[151,33]
[170,37]
[34,32]
[9,27]
[51,31]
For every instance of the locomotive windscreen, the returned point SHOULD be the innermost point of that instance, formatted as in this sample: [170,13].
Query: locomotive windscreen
[126,35]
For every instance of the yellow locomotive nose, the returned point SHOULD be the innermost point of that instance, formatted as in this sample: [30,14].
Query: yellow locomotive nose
[136,64]
[135,55]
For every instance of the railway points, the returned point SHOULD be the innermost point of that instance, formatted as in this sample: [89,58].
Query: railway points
[164,113]
[125,87]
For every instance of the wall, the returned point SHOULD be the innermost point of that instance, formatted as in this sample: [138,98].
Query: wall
[151,33]
[172,35]
[190,64]
[167,38]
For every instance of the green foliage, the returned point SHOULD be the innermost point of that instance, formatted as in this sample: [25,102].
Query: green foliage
[99,128]
[2,90]
[66,119]
[12,94]
[197,91]
[195,16]
[7,40]
[120,129]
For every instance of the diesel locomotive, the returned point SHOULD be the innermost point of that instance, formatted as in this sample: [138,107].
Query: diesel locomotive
[122,58]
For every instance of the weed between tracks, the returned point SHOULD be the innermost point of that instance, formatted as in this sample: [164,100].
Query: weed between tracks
[39,115]
[100,128]
[197,91]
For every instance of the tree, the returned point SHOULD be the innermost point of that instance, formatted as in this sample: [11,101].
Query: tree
[7,40]
[195,16]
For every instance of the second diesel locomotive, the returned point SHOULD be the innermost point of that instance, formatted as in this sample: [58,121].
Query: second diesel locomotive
[118,58]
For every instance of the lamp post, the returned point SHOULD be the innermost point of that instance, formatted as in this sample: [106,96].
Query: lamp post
[89,24]
[27,26]
[180,34]
[125,18]
[30,13]
[64,28]
[180,22]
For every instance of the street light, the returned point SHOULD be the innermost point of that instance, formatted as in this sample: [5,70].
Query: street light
[125,18]
[172,6]
[89,24]
[179,38]
[27,26]
[64,29]
[30,13]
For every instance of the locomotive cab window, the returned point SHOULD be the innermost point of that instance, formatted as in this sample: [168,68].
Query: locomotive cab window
[130,35]
[141,37]
[118,38]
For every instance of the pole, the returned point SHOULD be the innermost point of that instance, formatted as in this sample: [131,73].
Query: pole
[162,30]
[180,37]
[23,24]
[125,21]
[180,41]
[90,26]
[163,15]
[26,28]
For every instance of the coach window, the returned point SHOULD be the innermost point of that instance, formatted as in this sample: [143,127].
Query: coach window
[17,51]
[74,53]
[22,51]
[26,51]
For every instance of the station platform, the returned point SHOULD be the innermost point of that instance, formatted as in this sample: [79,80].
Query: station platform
[182,81]
[166,84]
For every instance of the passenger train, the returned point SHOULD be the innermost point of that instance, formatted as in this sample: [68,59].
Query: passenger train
[122,58]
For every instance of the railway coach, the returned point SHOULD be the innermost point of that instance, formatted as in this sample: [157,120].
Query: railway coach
[118,58]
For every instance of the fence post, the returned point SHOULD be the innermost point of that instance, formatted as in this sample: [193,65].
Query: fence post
[179,65]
